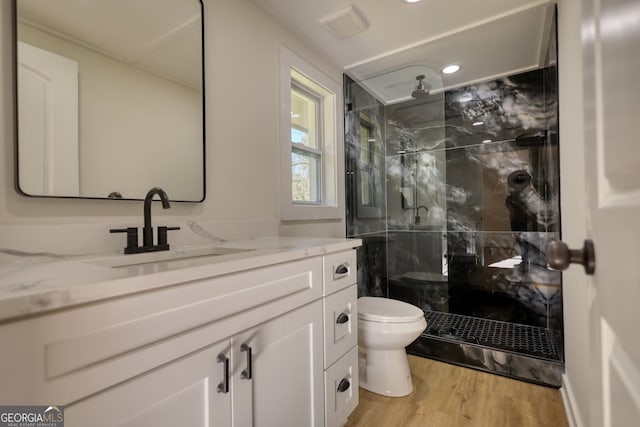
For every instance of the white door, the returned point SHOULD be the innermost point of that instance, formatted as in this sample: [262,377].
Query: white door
[183,393]
[611,71]
[47,123]
[285,387]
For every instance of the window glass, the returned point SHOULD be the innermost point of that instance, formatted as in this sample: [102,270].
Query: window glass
[304,118]
[305,176]
[306,144]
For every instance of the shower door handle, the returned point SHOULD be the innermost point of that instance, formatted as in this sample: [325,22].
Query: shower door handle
[559,256]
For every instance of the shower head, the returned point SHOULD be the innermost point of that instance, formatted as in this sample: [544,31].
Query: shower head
[420,91]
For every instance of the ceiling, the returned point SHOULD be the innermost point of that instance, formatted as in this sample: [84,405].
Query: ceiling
[134,32]
[488,38]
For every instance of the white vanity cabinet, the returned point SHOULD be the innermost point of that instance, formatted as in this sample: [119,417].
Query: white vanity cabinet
[270,375]
[259,347]
[340,336]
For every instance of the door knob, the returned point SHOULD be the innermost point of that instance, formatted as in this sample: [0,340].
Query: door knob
[559,256]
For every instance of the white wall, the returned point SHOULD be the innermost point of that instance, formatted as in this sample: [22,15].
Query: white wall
[575,297]
[242,106]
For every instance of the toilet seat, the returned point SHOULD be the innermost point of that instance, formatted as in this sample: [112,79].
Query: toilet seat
[385,310]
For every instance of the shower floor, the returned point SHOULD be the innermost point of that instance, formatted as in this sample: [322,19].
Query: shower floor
[513,337]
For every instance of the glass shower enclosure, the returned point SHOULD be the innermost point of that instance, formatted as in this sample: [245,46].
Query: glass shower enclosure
[455,194]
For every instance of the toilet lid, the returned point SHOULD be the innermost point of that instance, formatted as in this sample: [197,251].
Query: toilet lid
[376,309]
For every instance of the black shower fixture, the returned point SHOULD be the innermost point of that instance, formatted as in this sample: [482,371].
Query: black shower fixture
[420,91]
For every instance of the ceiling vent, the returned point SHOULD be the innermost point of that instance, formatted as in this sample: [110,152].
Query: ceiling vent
[346,23]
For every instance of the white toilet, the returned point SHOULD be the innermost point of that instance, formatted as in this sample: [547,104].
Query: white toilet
[385,328]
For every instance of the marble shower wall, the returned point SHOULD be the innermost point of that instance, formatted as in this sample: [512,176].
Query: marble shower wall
[416,163]
[466,190]
[503,202]
[416,168]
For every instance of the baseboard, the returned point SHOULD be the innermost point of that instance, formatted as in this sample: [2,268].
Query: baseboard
[570,406]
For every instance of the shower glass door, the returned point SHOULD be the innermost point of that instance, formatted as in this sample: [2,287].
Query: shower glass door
[455,196]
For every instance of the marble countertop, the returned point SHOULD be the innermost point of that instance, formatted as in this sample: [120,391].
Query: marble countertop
[38,284]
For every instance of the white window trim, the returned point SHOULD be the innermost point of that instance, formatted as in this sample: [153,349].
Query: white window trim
[290,211]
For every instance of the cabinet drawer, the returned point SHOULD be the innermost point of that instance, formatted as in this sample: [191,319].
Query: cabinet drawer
[340,323]
[340,271]
[341,389]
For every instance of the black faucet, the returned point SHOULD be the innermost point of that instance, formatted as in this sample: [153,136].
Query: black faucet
[147,231]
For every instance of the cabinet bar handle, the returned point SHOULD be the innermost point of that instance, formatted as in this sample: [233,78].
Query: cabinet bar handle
[223,387]
[342,318]
[342,269]
[247,374]
[344,385]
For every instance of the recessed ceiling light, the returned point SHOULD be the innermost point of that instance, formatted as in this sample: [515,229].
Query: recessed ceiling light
[450,69]
[477,123]
[411,1]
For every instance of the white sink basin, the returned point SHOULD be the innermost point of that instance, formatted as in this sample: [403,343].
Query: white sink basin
[125,261]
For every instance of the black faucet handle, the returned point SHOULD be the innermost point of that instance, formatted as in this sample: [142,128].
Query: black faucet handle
[162,234]
[132,238]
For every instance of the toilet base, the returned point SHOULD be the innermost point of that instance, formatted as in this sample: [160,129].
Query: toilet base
[385,372]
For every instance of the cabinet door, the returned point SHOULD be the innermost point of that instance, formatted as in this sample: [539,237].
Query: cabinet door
[284,385]
[185,392]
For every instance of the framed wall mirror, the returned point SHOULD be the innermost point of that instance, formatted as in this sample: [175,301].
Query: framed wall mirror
[110,98]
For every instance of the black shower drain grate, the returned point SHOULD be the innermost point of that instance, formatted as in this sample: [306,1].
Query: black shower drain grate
[525,339]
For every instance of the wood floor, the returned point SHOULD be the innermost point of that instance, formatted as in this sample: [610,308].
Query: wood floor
[451,396]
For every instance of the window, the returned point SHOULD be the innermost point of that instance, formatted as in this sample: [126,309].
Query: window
[311,146]
[306,146]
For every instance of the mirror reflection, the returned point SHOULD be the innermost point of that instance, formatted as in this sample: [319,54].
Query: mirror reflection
[110,98]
